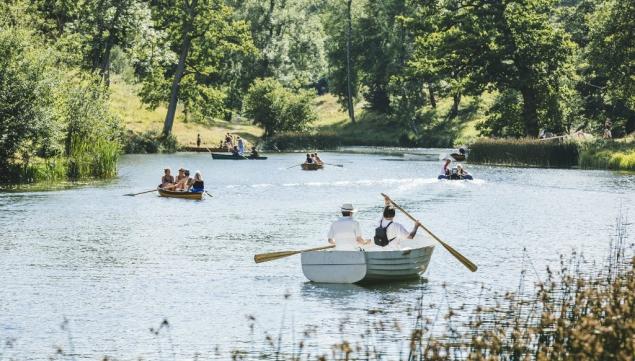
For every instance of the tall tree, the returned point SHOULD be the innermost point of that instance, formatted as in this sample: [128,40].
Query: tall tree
[202,34]
[349,87]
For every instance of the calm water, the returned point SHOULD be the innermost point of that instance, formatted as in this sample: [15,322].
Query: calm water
[115,266]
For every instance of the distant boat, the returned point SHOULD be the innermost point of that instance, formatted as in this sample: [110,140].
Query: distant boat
[180,194]
[458,157]
[236,157]
[371,265]
[456,177]
[311,166]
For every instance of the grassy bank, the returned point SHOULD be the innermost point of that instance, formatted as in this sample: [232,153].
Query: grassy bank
[333,127]
[590,154]
[148,124]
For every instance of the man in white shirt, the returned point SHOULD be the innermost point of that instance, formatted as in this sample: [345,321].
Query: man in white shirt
[345,233]
[390,233]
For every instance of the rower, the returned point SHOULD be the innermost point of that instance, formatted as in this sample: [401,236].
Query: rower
[345,233]
[308,160]
[389,232]
[446,166]
[317,159]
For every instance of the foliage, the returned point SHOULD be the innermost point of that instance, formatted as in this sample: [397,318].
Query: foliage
[27,81]
[276,108]
[149,142]
[54,118]
[201,38]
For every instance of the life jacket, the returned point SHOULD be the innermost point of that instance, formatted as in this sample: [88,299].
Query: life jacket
[381,235]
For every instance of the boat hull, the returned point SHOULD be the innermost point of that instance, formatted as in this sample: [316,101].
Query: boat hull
[450,177]
[235,157]
[184,195]
[311,166]
[360,266]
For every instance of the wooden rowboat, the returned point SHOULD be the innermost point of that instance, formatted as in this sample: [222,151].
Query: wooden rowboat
[179,194]
[372,264]
[311,166]
[235,157]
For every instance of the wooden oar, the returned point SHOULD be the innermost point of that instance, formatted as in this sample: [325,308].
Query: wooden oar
[208,193]
[136,194]
[266,257]
[295,165]
[466,262]
[337,165]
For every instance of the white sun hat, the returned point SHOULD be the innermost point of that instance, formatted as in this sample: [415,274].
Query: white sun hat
[348,207]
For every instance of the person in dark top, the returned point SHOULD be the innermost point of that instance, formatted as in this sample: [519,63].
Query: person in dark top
[308,160]
[254,152]
[197,184]
[235,151]
[167,179]
[198,140]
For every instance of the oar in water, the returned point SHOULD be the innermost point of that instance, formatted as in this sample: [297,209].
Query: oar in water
[337,165]
[136,194]
[466,262]
[295,165]
[266,257]
[208,193]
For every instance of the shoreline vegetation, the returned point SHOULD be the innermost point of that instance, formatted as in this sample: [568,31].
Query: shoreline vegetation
[120,78]
[585,154]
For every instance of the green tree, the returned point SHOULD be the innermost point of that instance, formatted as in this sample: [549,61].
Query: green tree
[202,35]
[276,108]
[27,125]
[611,57]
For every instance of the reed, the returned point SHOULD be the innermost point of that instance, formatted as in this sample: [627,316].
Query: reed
[525,152]
[616,155]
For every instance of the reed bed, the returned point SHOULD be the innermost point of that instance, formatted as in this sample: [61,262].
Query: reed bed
[525,152]
[618,155]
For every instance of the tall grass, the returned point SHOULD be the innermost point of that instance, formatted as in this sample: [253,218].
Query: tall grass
[93,159]
[618,155]
[525,152]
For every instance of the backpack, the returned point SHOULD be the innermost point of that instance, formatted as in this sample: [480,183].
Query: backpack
[381,236]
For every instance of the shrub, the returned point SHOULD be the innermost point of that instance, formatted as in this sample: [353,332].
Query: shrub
[278,109]
[149,142]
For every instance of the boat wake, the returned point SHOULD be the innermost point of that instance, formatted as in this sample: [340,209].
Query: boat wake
[401,182]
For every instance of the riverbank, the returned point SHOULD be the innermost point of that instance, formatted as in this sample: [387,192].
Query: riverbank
[587,154]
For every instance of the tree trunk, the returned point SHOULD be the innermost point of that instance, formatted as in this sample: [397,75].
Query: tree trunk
[351,110]
[180,70]
[530,111]
[456,101]
[105,63]
[433,100]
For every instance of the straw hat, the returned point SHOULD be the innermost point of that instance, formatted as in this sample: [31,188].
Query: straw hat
[348,207]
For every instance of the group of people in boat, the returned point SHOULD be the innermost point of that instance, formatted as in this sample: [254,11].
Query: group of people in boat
[235,144]
[313,158]
[345,233]
[183,182]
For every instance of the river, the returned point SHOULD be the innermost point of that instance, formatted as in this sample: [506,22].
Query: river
[114,266]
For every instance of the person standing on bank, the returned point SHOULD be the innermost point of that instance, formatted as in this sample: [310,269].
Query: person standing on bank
[390,233]
[345,233]
[198,140]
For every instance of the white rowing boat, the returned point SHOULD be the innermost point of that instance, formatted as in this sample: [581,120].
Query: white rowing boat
[372,264]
